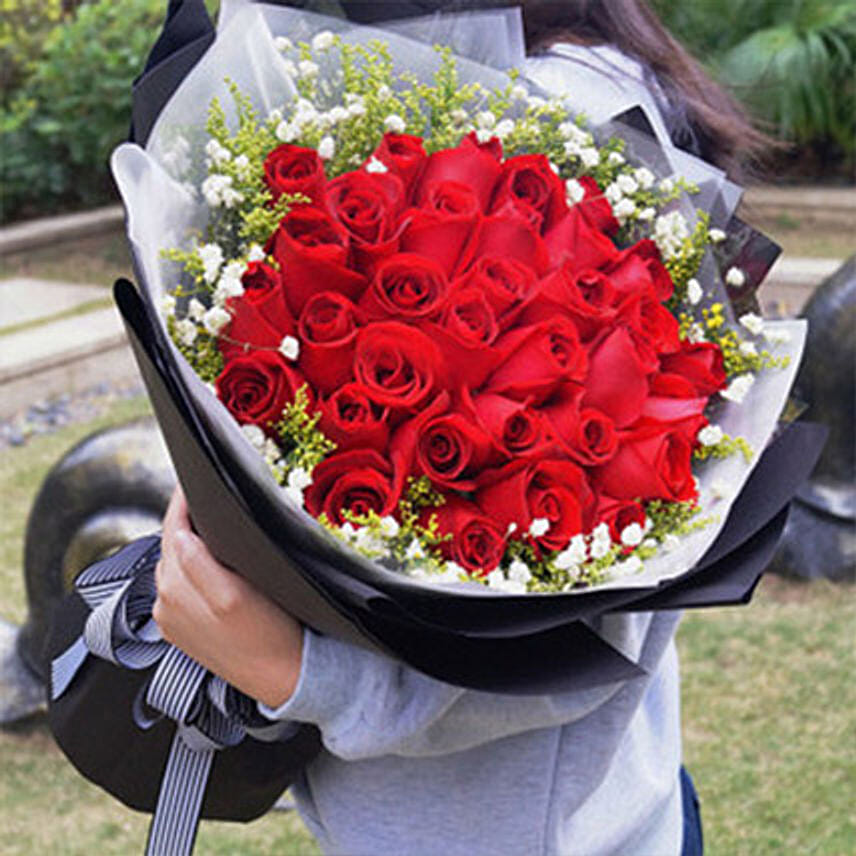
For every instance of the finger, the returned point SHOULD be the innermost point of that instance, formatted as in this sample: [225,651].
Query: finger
[176,517]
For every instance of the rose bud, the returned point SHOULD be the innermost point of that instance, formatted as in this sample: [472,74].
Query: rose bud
[368,206]
[403,155]
[294,169]
[406,287]
[537,359]
[328,333]
[353,421]
[256,387]
[700,363]
[311,249]
[358,481]
[530,180]
[554,490]
[515,427]
[652,462]
[477,543]
[398,365]
[470,164]
[442,228]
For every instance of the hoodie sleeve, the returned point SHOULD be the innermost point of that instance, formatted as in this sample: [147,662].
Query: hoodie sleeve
[367,705]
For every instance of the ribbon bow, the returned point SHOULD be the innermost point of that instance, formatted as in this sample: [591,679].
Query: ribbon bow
[209,713]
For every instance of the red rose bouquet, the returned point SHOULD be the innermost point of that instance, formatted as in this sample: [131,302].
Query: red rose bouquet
[468,340]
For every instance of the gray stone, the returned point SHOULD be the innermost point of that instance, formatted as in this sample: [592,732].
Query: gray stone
[21,692]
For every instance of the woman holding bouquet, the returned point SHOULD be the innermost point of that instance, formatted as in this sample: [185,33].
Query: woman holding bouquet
[414,766]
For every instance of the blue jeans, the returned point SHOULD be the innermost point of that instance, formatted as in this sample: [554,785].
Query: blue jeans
[693,844]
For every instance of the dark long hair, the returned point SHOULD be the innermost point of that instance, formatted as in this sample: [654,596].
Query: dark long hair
[705,118]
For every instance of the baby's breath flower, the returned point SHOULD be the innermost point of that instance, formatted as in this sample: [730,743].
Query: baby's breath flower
[216,153]
[286,132]
[196,309]
[283,43]
[748,349]
[255,435]
[717,236]
[211,256]
[631,535]
[167,305]
[737,390]
[256,254]
[645,177]
[667,185]
[627,183]
[389,526]
[519,572]
[615,158]
[694,291]
[734,276]
[485,119]
[710,435]
[624,209]
[290,68]
[539,526]
[289,347]
[518,92]
[299,478]
[630,565]
[394,124]
[327,148]
[752,322]
[375,165]
[647,214]
[215,319]
[186,331]
[599,549]
[590,157]
[307,69]
[504,128]
[322,41]
[576,192]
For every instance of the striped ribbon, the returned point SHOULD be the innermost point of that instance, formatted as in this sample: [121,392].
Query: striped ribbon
[209,714]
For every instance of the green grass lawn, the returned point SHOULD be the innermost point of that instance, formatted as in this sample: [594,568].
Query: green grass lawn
[769,711]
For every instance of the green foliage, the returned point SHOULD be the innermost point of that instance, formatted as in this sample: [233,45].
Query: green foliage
[299,434]
[74,107]
[791,62]
[23,26]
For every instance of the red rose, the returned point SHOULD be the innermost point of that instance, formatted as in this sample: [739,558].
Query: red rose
[398,365]
[574,240]
[293,169]
[368,205]
[595,207]
[469,163]
[552,489]
[700,363]
[529,180]
[656,324]
[515,427]
[586,435]
[477,542]
[407,287]
[358,481]
[505,282]
[442,228]
[468,317]
[617,381]
[451,450]
[352,421]
[537,359]
[252,327]
[256,387]
[312,251]
[672,398]
[511,237]
[638,270]
[586,296]
[404,155]
[652,462]
[263,288]
[618,514]
[328,334]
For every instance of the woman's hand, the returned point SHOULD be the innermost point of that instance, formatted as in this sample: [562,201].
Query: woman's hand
[219,619]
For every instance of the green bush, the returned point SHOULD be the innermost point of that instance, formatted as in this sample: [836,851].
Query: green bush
[74,107]
[23,26]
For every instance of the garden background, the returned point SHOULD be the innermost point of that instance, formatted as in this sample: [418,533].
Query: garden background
[768,691]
